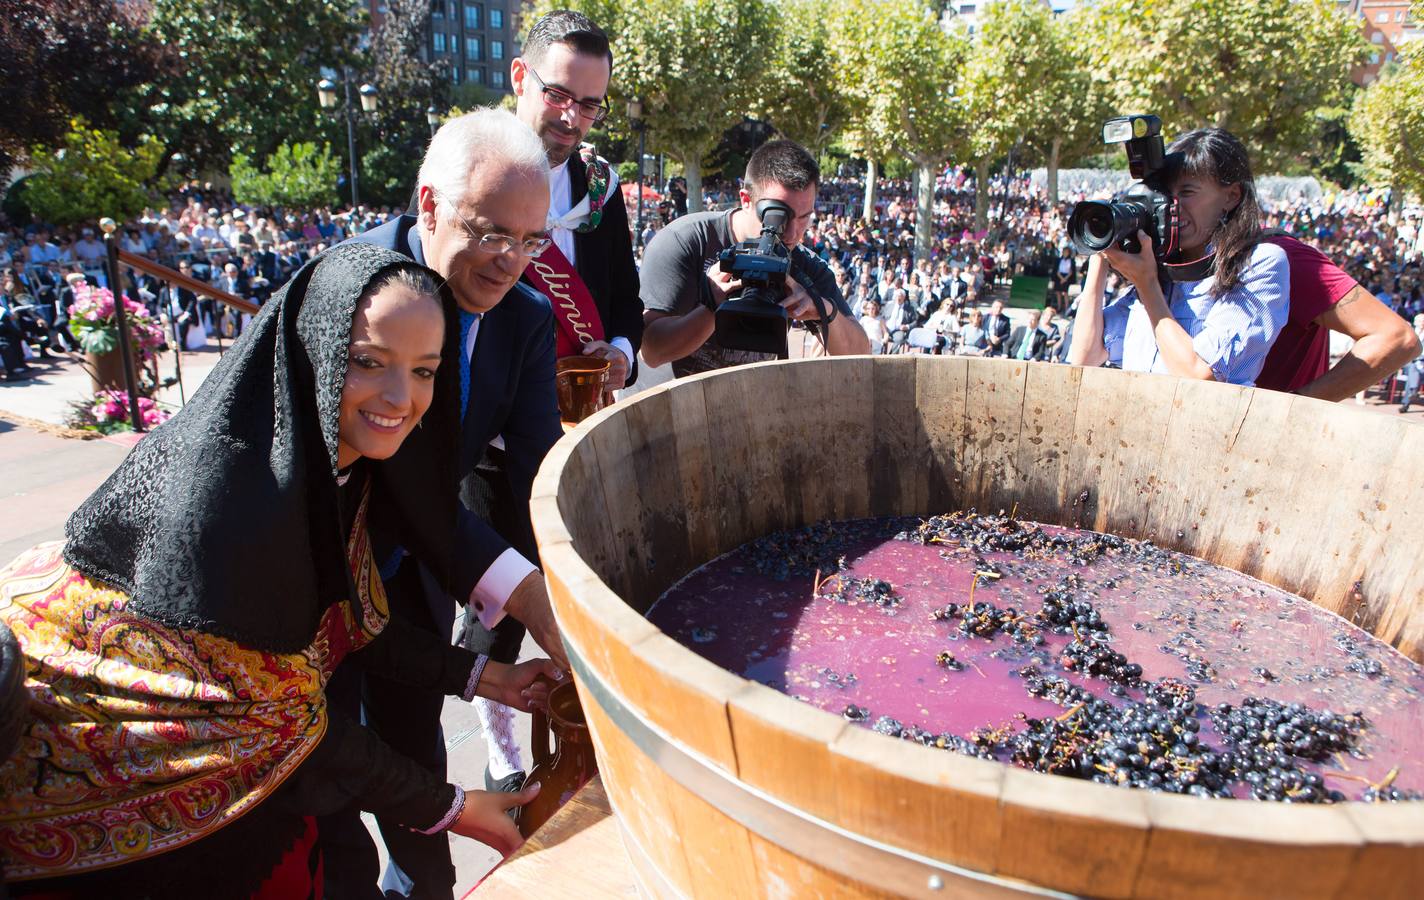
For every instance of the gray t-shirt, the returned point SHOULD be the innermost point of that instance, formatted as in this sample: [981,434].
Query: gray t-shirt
[674,280]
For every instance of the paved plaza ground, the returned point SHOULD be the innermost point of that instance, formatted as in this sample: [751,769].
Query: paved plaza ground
[45,473]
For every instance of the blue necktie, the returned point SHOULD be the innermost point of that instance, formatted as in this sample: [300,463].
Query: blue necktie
[467,321]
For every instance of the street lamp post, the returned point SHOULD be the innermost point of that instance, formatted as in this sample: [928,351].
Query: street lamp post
[326,93]
[432,118]
[635,120]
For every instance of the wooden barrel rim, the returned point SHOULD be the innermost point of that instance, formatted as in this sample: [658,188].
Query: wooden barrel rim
[1273,825]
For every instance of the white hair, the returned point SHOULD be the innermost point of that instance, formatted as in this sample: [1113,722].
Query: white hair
[478,138]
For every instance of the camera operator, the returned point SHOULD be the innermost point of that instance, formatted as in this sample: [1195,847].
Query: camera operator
[1218,316]
[680,294]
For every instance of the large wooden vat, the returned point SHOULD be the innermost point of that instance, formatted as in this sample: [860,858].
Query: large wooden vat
[726,788]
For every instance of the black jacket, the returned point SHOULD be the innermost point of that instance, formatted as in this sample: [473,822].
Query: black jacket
[604,259]
[999,327]
[1037,348]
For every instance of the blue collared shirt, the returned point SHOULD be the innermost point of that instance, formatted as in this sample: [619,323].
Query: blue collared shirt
[1231,334]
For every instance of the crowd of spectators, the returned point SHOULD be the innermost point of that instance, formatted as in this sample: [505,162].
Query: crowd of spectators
[202,233]
[939,305]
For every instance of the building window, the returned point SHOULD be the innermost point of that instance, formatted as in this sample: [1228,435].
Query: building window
[497,78]
[439,39]
[454,42]
[477,76]
[496,18]
[455,74]
[472,16]
[1377,37]
[1399,16]
[496,49]
[472,48]
[1381,18]
[437,9]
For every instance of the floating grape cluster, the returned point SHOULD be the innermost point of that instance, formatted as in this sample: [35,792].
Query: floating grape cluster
[1003,533]
[815,548]
[874,591]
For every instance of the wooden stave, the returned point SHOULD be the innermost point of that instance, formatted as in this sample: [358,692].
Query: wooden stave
[914,400]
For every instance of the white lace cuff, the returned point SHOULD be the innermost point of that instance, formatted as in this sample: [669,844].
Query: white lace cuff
[474,681]
[450,818]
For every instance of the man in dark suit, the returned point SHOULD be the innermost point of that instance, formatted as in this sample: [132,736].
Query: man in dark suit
[482,215]
[561,82]
[267,267]
[996,329]
[1028,342]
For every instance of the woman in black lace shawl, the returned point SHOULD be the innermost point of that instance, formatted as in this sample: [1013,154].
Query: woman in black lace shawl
[179,641]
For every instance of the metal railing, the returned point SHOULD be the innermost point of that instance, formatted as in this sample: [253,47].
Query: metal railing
[117,259]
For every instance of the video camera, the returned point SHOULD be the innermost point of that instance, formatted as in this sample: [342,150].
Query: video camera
[755,319]
[1095,226]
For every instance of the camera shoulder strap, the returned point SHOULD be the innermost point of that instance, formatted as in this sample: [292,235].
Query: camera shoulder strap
[1195,270]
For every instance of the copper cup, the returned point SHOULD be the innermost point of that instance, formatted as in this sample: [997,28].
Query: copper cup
[581,382]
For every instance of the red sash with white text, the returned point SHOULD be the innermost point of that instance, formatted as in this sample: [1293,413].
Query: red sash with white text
[575,315]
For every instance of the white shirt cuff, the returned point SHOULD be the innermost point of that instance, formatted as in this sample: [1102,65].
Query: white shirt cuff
[495,586]
[625,347]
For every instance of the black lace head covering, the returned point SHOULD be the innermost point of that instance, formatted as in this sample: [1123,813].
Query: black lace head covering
[225,519]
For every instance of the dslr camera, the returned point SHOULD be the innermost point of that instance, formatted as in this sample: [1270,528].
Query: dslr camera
[1095,226]
[755,319]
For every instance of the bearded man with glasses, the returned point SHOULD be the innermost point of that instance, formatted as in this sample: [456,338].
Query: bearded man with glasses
[561,86]
[482,206]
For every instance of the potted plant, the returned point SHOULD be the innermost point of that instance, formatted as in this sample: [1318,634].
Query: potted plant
[92,322]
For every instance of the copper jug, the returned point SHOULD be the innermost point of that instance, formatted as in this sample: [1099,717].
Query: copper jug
[581,383]
[564,768]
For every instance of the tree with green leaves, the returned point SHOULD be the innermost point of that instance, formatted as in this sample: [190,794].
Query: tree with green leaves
[697,67]
[1388,124]
[1017,72]
[804,99]
[299,176]
[902,71]
[1070,99]
[1258,69]
[408,85]
[249,70]
[64,59]
[92,175]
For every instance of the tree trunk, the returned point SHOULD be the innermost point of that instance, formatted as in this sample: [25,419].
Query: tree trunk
[868,210]
[924,214]
[981,195]
[692,171]
[1053,151]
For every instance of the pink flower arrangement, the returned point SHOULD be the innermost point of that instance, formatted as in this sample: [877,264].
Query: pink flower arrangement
[92,323]
[112,408]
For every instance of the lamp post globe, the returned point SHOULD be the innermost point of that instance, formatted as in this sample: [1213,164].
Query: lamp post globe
[368,97]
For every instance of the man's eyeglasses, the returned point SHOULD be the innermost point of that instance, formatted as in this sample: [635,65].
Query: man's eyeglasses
[563,100]
[491,242]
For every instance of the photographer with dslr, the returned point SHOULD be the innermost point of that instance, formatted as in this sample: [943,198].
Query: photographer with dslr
[1209,296]
[696,314]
